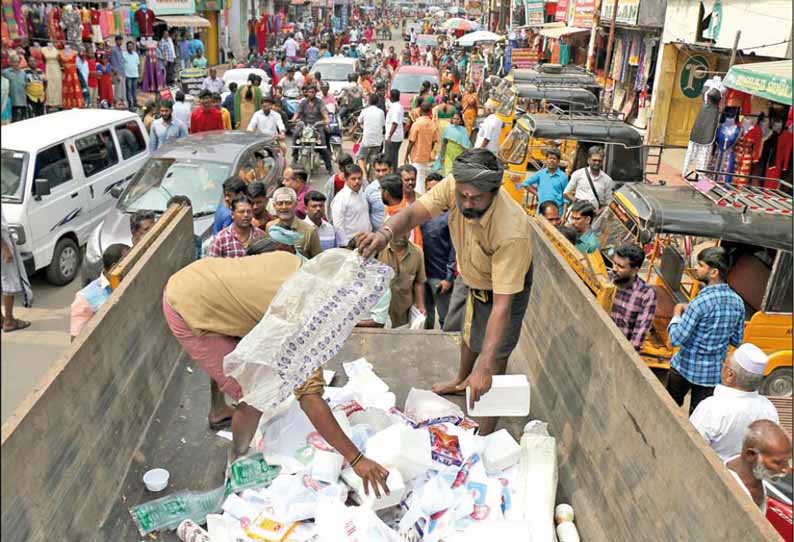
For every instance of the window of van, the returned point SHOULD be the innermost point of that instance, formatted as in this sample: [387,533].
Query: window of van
[131,139]
[53,164]
[97,152]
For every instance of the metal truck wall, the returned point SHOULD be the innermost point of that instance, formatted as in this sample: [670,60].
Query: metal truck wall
[629,461]
[67,448]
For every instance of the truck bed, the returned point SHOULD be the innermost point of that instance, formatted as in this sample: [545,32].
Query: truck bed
[179,440]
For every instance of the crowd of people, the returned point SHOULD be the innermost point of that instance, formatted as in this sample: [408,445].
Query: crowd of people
[419,218]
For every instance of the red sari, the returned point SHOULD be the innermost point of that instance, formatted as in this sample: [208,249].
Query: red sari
[72,91]
[105,73]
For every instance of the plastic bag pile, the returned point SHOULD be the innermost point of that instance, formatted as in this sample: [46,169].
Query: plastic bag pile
[447,483]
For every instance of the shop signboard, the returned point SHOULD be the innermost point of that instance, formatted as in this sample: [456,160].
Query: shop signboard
[524,58]
[191,79]
[627,11]
[209,5]
[172,7]
[693,76]
[562,11]
[535,11]
[583,13]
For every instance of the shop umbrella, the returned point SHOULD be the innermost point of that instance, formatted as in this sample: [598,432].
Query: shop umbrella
[456,23]
[481,36]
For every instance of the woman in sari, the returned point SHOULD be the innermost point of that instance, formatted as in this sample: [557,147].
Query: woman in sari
[454,141]
[470,106]
[247,101]
[442,113]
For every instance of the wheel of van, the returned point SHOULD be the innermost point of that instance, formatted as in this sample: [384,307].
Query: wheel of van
[65,262]
[779,382]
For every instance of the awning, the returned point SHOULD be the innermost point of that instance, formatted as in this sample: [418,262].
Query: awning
[769,80]
[178,21]
[557,33]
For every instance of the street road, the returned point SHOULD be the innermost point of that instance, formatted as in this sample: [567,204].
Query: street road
[28,353]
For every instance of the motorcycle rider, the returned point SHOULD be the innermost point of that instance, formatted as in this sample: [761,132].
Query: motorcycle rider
[351,99]
[291,88]
[311,110]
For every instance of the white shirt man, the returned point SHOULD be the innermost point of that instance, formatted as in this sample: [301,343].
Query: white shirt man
[412,36]
[269,124]
[291,87]
[395,115]
[300,78]
[349,209]
[290,48]
[181,112]
[362,49]
[372,121]
[722,419]
[329,236]
[353,35]
[579,187]
[213,84]
[490,130]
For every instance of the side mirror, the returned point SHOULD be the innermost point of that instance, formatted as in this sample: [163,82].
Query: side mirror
[41,188]
[645,237]
[116,191]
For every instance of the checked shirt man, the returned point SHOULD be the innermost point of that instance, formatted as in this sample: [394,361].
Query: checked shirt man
[703,329]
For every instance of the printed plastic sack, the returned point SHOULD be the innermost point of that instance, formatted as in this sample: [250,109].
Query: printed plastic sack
[308,321]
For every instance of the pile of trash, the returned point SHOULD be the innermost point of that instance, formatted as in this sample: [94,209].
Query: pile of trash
[447,483]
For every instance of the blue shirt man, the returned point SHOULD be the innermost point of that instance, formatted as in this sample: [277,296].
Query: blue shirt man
[194,46]
[312,54]
[548,183]
[704,329]
[164,130]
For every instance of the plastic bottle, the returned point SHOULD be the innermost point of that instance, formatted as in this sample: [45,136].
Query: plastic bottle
[168,512]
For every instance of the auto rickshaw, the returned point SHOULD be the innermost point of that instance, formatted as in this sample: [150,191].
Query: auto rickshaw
[675,223]
[524,149]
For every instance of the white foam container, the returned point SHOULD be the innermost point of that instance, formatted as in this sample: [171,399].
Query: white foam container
[156,479]
[508,396]
[501,451]
[327,466]
[402,448]
[395,483]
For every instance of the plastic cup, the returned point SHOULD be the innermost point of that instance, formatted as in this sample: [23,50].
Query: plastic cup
[156,479]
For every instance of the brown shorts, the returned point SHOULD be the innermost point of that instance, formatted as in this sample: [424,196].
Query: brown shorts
[477,310]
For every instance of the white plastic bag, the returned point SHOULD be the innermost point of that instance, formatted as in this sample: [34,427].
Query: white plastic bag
[536,488]
[306,325]
[339,523]
[423,405]
[416,320]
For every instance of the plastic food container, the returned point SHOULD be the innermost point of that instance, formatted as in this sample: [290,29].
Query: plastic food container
[156,479]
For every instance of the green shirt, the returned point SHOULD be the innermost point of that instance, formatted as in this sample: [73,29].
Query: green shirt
[588,243]
[200,62]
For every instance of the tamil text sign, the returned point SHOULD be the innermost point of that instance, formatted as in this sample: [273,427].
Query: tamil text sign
[627,11]
[583,13]
[524,58]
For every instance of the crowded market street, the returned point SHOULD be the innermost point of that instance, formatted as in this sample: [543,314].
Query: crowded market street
[291,270]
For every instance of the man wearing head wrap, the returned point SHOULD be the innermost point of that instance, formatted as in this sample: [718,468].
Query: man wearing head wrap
[723,418]
[491,235]
[214,302]
[285,203]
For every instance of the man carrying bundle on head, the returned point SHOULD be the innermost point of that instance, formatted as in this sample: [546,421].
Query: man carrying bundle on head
[491,235]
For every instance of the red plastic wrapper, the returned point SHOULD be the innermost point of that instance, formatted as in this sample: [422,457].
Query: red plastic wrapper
[444,448]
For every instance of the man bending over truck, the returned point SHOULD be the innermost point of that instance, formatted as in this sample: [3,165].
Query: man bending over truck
[213,302]
[490,233]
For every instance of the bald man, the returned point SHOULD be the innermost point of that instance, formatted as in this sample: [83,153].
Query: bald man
[765,456]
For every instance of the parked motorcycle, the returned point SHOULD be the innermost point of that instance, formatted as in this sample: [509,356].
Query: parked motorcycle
[307,143]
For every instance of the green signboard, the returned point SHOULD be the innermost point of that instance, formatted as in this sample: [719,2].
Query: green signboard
[694,74]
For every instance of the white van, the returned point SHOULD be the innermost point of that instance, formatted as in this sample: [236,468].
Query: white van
[57,172]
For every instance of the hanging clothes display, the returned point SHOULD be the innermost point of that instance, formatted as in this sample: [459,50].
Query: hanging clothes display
[747,149]
[38,21]
[54,76]
[72,91]
[22,27]
[153,72]
[144,18]
[96,27]
[85,18]
[723,159]
[10,20]
[73,26]
[782,158]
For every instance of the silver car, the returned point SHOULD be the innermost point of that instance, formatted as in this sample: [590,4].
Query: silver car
[195,166]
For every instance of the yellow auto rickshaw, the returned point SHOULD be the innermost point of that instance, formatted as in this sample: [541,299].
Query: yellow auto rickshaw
[675,223]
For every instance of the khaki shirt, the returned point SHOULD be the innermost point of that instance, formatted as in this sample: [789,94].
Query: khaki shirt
[228,296]
[493,252]
[408,271]
[315,385]
[309,246]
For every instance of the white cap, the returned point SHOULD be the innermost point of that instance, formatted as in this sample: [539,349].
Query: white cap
[751,358]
